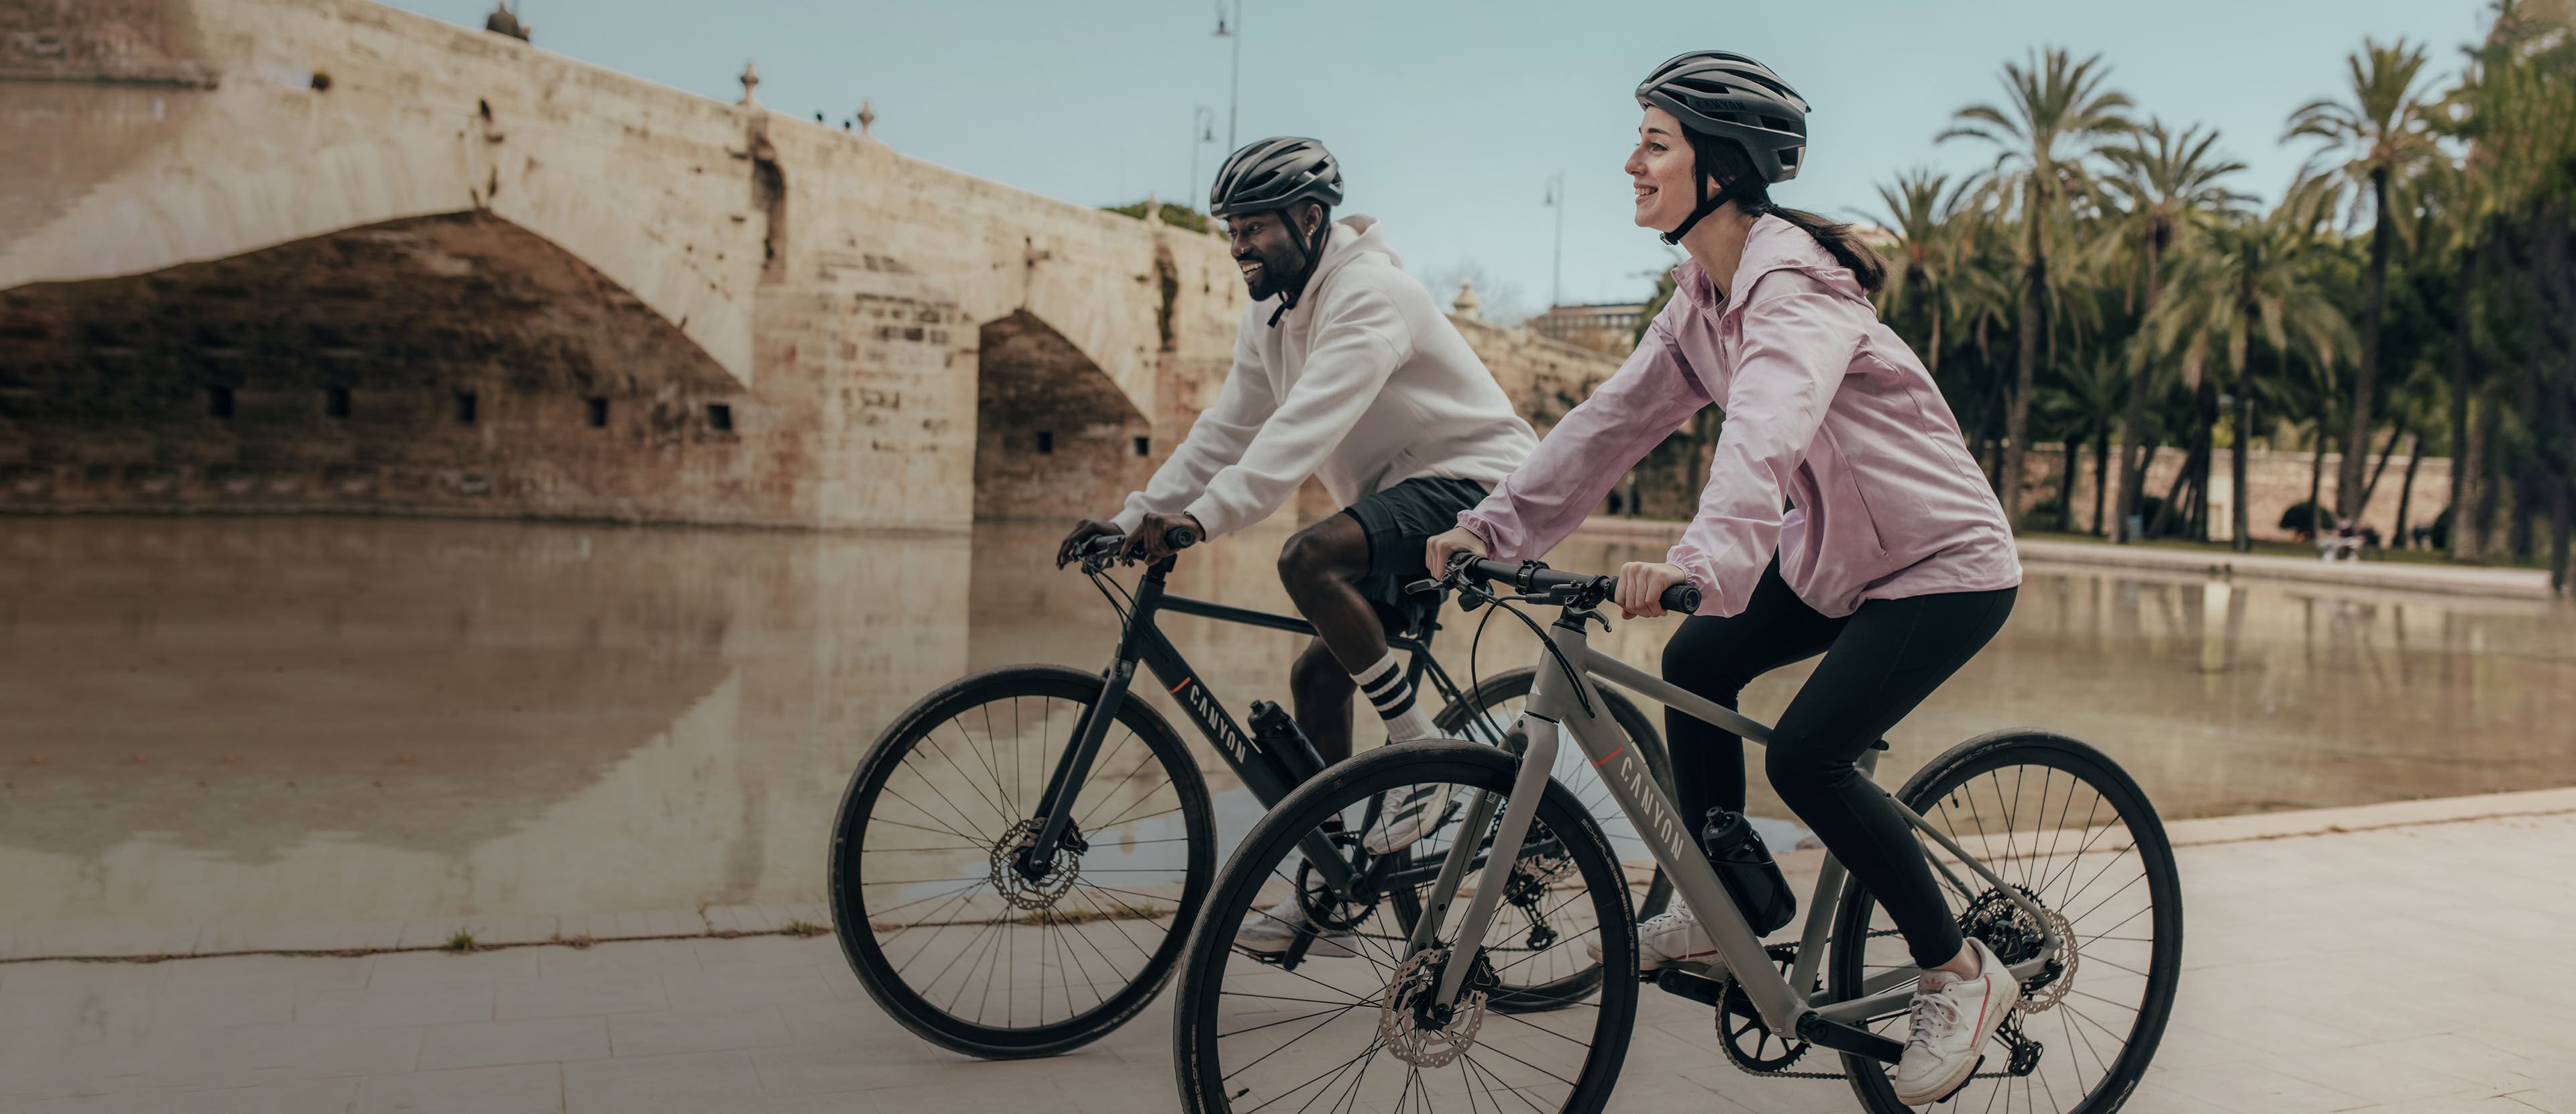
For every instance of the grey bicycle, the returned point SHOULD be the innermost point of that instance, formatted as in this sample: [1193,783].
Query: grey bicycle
[2044,847]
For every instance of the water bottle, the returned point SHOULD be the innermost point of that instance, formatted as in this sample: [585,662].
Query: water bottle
[1278,735]
[1745,868]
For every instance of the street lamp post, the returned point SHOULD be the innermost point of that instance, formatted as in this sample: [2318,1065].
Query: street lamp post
[1234,92]
[1202,130]
[1556,278]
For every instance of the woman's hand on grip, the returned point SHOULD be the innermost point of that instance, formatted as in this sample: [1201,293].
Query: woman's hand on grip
[1437,551]
[1641,588]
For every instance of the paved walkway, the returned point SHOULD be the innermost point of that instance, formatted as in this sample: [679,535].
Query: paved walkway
[2402,576]
[2395,958]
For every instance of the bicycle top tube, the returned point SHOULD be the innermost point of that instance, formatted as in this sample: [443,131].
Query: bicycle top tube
[1098,553]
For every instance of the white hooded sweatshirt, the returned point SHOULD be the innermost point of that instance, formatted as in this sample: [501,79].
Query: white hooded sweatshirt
[1364,385]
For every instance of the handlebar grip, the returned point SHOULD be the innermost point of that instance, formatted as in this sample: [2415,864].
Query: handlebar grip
[1180,537]
[1680,597]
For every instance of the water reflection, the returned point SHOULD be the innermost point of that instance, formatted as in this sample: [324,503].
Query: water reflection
[284,721]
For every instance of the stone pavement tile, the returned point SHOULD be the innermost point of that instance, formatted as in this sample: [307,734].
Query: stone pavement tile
[572,996]
[247,1054]
[47,993]
[2269,1030]
[696,1081]
[232,1005]
[2481,1103]
[752,986]
[701,1030]
[656,956]
[2186,1047]
[2153,1098]
[123,1102]
[454,969]
[516,1089]
[100,938]
[309,1096]
[2454,1054]
[770,951]
[2375,1076]
[419,1004]
[329,936]
[245,972]
[861,1022]
[804,1069]
[2258,1089]
[528,1041]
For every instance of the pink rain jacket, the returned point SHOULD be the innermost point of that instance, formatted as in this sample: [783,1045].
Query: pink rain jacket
[1825,408]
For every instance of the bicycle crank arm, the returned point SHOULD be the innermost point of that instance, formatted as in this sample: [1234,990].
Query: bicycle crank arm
[1817,1029]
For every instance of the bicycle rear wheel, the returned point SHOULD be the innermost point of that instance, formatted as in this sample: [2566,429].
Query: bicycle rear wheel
[1562,977]
[1348,1026]
[935,918]
[2063,823]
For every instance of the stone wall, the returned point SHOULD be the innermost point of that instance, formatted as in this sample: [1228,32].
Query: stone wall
[832,294]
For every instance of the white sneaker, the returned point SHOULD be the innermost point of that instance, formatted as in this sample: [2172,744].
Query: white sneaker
[1952,1019]
[1672,939]
[1272,932]
[1406,814]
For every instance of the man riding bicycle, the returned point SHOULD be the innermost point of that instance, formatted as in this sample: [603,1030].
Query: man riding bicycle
[1345,370]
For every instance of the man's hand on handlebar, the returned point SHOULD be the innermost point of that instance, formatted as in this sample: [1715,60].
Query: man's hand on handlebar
[1075,543]
[1154,538]
[1437,552]
[1641,588]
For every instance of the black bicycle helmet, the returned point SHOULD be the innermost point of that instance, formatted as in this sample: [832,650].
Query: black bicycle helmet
[1275,173]
[1727,96]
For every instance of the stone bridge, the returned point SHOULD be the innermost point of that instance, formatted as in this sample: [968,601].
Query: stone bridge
[327,255]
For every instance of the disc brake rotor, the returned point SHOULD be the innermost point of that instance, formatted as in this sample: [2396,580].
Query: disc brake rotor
[1023,892]
[1407,1024]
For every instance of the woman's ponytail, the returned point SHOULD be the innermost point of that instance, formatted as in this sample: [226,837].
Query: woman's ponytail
[1725,160]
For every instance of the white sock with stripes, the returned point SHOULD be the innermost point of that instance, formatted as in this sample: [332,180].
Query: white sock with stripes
[1392,695]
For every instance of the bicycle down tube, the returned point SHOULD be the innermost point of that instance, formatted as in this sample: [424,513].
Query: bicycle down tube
[1572,702]
[1269,775]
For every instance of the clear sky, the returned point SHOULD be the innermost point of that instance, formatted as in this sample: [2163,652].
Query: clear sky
[1449,116]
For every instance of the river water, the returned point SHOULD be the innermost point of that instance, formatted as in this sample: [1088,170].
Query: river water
[271,722]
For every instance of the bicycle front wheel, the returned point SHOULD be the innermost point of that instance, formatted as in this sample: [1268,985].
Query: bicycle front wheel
[936,917]
[1350,1024]
[2063,824]
[1488,715]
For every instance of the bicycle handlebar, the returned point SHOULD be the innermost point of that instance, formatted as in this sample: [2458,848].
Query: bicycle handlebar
[1109,545]
[1533,578]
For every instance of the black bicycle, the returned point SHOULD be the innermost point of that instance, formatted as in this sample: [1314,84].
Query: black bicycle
[1019,857]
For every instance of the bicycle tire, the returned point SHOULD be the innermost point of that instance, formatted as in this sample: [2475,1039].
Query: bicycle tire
[1515,684]
[1347,786]
[864,804]
[1947,787]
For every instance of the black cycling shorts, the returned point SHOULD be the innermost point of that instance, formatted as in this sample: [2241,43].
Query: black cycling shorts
[1398,522]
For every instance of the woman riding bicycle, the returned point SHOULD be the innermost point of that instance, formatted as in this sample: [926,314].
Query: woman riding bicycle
[1896,563]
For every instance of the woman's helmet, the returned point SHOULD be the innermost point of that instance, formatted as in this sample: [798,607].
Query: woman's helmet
[1274,174]
[1730,96]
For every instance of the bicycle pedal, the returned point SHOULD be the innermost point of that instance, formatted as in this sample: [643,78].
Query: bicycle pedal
[1971,1077]
[1686,983]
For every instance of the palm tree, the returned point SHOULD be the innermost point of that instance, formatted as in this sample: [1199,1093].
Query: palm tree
[2382,131]
[2243,276]
[2089,402]
[1926,216]
[2168,185]
[2059,114]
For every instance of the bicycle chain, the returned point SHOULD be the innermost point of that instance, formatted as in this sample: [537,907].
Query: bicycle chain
[1741,1066]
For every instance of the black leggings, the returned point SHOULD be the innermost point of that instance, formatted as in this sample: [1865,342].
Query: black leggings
[1880,661]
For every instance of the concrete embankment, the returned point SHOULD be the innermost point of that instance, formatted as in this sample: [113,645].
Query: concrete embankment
[2385,575]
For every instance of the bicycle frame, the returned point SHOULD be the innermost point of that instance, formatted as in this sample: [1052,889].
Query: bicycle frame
[1573,702]
[1268,773]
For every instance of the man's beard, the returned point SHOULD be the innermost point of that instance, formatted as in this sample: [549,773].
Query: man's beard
[1277,272]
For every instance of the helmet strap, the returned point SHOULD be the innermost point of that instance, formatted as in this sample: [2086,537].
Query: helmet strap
[1742,186]
[1312,246]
